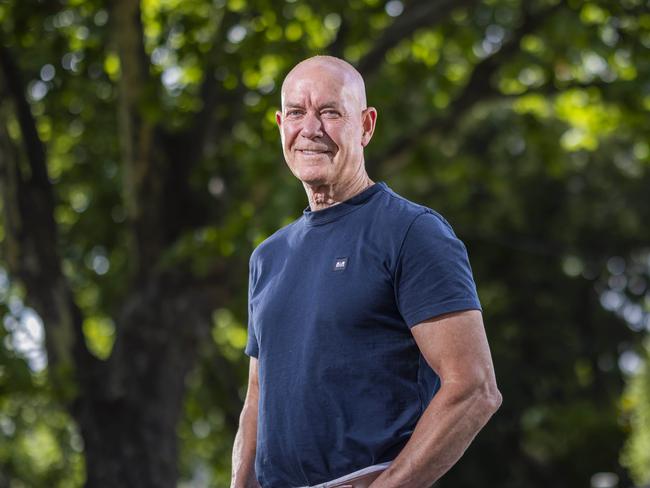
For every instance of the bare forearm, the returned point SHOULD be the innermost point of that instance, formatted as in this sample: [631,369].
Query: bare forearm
[441,436]
[243,453]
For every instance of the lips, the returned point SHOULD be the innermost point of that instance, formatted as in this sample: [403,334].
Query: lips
[312,151]
[309,152]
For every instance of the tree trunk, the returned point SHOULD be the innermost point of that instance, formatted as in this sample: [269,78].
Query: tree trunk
[129,417]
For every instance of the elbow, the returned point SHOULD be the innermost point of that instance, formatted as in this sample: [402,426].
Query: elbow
[485,394]
[491,397]
[478,392]
[495,399]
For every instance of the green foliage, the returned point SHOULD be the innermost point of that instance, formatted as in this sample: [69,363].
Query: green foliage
[39,445]
[100,335]
[636,403]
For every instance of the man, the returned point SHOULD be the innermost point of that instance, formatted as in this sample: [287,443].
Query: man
[352,308]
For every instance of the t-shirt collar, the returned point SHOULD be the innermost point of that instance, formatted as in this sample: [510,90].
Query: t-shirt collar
[329,214]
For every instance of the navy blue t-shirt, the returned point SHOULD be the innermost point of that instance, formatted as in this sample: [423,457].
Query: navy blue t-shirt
[332,298]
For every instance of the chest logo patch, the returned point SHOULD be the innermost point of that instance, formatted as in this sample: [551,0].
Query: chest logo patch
[340,264]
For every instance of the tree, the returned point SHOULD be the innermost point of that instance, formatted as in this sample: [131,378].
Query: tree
[139,166]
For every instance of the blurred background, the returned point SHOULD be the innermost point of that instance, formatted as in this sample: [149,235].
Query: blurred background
[140,165]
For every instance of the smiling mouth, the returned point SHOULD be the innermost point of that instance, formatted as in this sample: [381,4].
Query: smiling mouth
[311,152]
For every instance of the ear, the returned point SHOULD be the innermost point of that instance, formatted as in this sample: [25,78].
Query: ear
[368,121]
[278,118]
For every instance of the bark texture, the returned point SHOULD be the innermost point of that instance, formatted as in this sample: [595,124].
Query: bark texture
[129,420]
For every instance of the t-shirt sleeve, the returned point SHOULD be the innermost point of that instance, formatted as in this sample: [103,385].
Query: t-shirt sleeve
[433,275]
[252,348]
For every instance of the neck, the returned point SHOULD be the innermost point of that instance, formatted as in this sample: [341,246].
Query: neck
[323,196]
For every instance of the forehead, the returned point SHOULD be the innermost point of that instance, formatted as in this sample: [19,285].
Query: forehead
[316,84]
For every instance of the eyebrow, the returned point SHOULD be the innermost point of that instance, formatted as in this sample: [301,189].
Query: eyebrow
[331,104]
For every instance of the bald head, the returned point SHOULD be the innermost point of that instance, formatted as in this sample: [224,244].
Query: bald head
[350,77]
[325,123]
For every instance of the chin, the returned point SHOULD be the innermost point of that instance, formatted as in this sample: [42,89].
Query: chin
[313,178]
[314,181]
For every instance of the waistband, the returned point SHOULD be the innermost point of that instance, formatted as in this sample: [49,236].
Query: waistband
[349,476]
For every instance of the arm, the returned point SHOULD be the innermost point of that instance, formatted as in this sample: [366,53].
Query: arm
[456,348]
[243,453]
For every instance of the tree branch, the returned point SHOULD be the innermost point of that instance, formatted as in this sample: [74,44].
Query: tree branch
[185,149]
[335,47]
[32,236]
[143,174]
[421,13]
[212,92]
[478,88]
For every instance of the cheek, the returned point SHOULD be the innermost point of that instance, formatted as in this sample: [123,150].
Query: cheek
[343,134]
[289,134]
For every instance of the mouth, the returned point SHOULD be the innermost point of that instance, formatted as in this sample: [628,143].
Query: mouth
[312,152]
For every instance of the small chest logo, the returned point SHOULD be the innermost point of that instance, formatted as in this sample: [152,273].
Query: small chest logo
[340,264]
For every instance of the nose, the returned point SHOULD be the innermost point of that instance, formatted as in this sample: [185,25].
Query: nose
[312,126]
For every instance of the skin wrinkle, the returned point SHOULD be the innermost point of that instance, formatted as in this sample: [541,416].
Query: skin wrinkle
[324,111]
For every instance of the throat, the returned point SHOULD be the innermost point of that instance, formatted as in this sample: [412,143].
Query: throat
[324,196]
[322,200]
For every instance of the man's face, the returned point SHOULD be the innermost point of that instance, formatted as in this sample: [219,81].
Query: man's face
[322,125]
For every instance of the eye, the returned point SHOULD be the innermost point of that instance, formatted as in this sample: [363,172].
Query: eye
[294,113]
[330,113]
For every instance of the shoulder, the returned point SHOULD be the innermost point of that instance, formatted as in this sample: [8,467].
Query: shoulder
[399,205]
[413,216]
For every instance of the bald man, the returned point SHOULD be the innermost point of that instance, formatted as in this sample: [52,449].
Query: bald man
[369,364]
